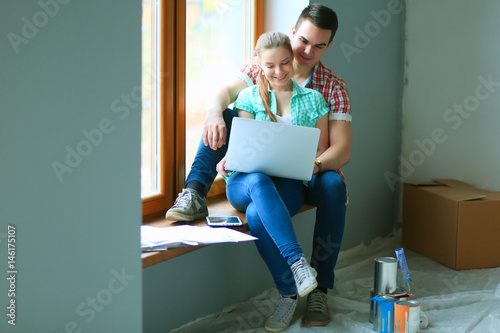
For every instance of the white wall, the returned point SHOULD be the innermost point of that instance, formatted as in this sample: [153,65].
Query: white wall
[452,48]
[77,250]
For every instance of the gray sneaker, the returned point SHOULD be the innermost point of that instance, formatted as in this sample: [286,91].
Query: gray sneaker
[317,313]
[188,206]
[280,319]
[305,276]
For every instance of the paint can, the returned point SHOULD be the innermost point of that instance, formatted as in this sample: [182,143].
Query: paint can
[407,317]
[383,314]
[386,275]
[400,294]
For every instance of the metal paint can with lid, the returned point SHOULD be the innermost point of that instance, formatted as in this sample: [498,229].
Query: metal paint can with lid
[400,294]
[383,315]
[386,275]
[407,317]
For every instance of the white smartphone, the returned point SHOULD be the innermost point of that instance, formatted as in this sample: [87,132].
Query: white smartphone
[224,221]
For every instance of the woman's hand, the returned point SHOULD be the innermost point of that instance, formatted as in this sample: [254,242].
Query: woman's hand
[221,168]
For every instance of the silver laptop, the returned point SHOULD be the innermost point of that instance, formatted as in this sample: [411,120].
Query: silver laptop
[274,149]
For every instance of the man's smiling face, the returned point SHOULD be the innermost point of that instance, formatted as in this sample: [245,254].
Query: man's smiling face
[309,43]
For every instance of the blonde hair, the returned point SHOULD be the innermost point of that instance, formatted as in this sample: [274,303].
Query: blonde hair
[267,41]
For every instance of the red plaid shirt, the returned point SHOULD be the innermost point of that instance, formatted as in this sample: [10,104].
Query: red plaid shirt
[331,86]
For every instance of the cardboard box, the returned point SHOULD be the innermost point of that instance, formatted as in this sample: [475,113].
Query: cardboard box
[453,223]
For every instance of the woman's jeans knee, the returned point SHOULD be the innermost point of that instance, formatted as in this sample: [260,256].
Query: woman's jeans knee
[269,203]
[259,195]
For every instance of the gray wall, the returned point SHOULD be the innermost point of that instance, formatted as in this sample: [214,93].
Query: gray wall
[367,53]
[451,117]
[77,254]
[201,282]
[75,236]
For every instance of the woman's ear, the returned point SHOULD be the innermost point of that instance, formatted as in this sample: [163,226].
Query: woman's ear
[260,66]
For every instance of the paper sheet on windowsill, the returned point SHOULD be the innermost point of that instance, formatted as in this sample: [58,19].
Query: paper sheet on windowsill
[160,239]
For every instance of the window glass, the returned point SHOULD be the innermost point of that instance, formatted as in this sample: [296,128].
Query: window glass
[149,138]
[219,38]
[216,46]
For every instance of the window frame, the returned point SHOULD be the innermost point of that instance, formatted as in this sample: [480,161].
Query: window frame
[173,106]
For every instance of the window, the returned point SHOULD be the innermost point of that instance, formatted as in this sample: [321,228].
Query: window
[187,45]
[217,44]
[150,93]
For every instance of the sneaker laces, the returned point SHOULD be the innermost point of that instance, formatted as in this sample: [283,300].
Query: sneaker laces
[316,302]
[300,271]
[184,198]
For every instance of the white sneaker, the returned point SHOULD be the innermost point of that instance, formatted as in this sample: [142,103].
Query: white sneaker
[305,276]
[280,319]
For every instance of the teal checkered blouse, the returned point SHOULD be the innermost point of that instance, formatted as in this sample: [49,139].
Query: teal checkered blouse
[307,105]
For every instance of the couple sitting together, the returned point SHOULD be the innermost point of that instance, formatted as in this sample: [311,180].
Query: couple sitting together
[287,83]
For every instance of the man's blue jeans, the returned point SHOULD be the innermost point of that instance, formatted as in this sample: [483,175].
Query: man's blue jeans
[326,191]
[269,203]
[203,168]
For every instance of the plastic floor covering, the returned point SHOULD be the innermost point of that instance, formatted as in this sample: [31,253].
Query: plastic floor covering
[454,301]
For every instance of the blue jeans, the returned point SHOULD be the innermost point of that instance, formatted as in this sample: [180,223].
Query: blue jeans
[269,203]
[203,168]
[326,191]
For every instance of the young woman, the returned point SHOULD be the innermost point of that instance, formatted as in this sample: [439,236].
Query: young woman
[269,202]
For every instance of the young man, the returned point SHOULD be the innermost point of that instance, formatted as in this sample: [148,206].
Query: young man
[311,37]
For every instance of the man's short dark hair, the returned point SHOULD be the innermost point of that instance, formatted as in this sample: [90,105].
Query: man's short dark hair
[321,16]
